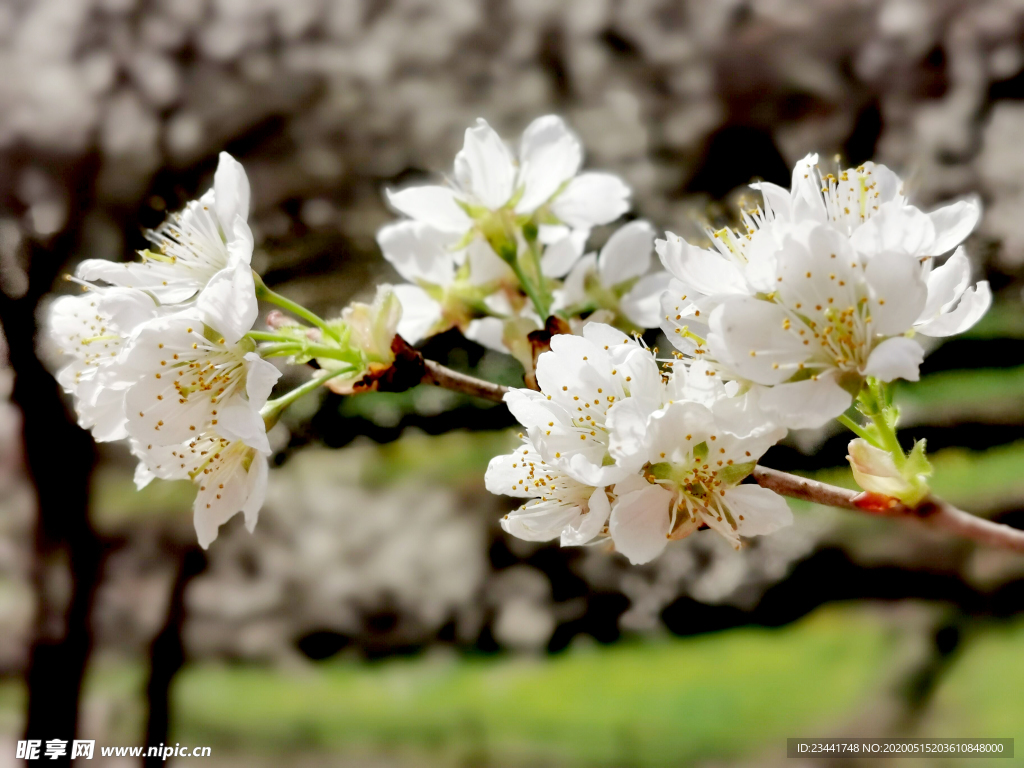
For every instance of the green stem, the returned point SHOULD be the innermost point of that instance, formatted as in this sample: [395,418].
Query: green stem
[268,336]
[889,440]
[856,428]
[542,307]
[542,288]
[272,410]
[263,292]
[281,349]
[309,349]
[874,402]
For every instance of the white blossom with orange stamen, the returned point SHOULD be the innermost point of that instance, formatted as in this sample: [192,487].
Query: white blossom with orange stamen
[187,370]
[92,329]
[231,475]
[190,247]
[692,478]
[560,507]
[833,319]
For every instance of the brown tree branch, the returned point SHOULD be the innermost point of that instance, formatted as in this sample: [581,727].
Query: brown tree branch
[440,376]
[932,511]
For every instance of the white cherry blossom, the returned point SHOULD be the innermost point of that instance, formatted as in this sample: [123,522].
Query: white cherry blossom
[581,379]
[231,475]
[448,286]
[831,321]
[191,246]
[866,205]
[493,192]
[869,205]
[691,478]
[834,318]
[617,280]
[92,329]
[185,370]
[607,425]
[561,507]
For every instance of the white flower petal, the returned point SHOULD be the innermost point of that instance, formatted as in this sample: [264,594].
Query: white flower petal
[953,223]
[895,228]
[563,254]
[139,276]
[589,524]
[806,404]
[819,271]
[627,427]
[143,476]
[674,430]
[260,378]
[705,271]
[756,510]
[418,251]
[231,192]
[508,475]
[642,304]
[256,491]
[946,284]
[240,243]
[421,315]
[805,191]
[549,156]
[639,523]
[898,293]
[973,305]
[485,266]
[895,358]
[484,166]
[753,335]
[228,303]
[244,424]
[627,254]
[433,205]
[591,199]
[574,287]
[540,520]
[777,203]
[488,332]
[617,344]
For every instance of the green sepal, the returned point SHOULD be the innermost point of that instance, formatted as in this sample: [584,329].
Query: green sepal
[731,474]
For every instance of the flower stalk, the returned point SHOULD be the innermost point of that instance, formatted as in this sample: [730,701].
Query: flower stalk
[272,411]
[263,292]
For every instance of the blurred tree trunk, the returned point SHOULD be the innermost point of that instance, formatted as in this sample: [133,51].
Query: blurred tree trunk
[167,652]
[60,458]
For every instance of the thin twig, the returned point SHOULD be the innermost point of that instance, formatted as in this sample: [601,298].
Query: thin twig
[441,376]
[932,511]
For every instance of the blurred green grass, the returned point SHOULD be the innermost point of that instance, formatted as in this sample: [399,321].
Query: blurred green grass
[731,695]
[658,703]
[981,696]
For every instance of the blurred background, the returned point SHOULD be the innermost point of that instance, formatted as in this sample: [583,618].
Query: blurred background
[378,616]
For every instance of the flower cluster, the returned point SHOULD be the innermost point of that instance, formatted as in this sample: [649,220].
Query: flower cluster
[487,252]
[615,449]
[803,315]
[809,309]
[824,289]
[162,353]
